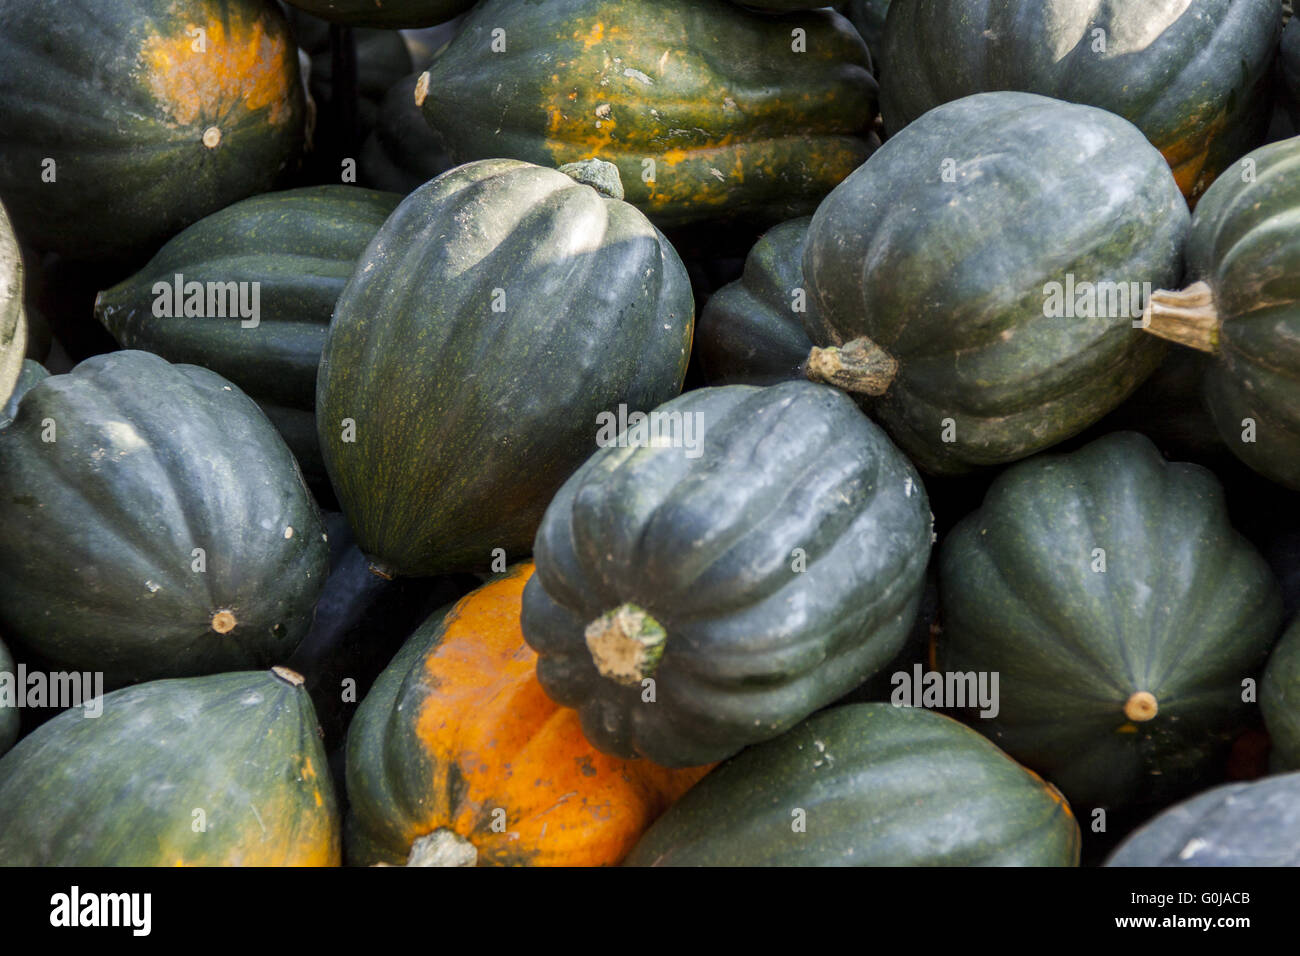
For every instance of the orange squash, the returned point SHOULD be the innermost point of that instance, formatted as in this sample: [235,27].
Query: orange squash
[457,757]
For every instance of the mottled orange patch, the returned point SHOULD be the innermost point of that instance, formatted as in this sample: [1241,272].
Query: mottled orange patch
[498,742]
[1057,797]
[244,67]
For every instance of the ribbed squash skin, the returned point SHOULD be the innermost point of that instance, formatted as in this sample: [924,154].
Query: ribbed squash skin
[1240,824]
[124,788]
[1185,610]
[300,246]
[117,95]
[879,786]
[785,564]
[1244,245]
[1193,77]
[736,122]
[1279,699]
[150,461]
[467,419]
[950,278]
[385,14]
[13,324]
[30,374]
[457,728]
[749,332]
[8,714]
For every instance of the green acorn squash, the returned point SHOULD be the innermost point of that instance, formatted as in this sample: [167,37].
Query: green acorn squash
[501,309]
[867,785]
[155,524]
[1194,77]
[32,372]
[13,321]
[296,250]
[725,568]
[1279,699]
[8,708]
[172,111]
[226,770]
[402,152]
[1122,612]
[1240,824]
[1244,308]
[385,14]
[869,18]
[986,305]
[708,110]
[751,331]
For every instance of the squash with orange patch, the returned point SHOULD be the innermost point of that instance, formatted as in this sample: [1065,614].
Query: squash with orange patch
[458,758]
[226,770]
[709,111]
[124,122]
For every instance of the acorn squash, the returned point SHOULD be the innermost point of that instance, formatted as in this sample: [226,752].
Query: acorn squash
[514,785]
[708,110]
[1122,612]
[8,707]
[725,567]
[172,111]
[867,785]
[289,254]
[402,152]
[13,322]
[385,14]
[1279,699]
[225,770]
[1240,824]
[751,331]
[155,524]
[32,372]
[869,18]
[497,314]
[1243,308]
[985,309]
[1194,77]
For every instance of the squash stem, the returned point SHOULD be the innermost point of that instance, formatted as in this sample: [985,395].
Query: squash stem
[626,644]
[1142,706]
[861,367]
[598,174]
[1189,317]
[442,847]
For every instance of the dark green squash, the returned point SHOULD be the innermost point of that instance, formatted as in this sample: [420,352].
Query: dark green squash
[31,373]
[708,110]
[1195,78]
[501,309]
[950,276]
[111,478]
[867,785]
[385,14]
[751,331]
[403,152]
[1279,699]
[13,321]
[1122,612]
[226,770]
[151,124]
[724,569]
[1240,824]
[1244,308]
[1288,69]
[8,708]
[298,248]
[869,17]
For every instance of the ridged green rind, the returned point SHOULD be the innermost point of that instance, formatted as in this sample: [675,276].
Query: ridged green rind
[1244,243]
[119,97]
[785,561]
[30,374]
[951,277]
[123,788]
[709,111]
[497,313]
[1279,700]
[1240,824]
[1193,77]
[110,477]
[1186,609]
[385,14]
[749,331]
[877,786]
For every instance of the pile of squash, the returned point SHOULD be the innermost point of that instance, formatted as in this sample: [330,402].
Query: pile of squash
[674,433]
